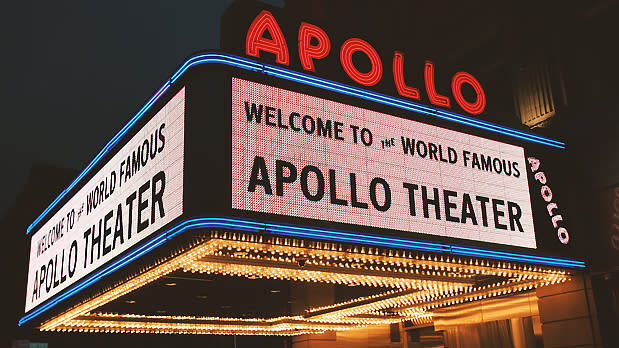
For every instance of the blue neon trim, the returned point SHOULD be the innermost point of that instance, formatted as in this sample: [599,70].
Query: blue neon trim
[293,231]
[251,65]
[342,236]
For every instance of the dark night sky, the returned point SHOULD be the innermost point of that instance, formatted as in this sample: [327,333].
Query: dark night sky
[76,71]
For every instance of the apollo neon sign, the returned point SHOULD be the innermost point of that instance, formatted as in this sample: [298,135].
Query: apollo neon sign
[314,44]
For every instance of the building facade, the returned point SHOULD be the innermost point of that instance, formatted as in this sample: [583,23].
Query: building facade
[335,190]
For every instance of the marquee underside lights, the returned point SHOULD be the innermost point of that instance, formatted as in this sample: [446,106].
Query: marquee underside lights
[280,326]
[367,243]
[426,282]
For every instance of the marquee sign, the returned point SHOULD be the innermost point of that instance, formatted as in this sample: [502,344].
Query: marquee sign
[138,191]
[304,156]
[292,159]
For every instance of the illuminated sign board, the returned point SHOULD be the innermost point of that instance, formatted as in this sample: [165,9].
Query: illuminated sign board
[138,191]
[311,158]
[302,156]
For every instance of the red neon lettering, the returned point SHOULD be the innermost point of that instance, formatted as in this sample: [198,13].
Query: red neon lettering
[256,42]
[458,80]
[435,98]
[398,78]
[308,52]
[376,72]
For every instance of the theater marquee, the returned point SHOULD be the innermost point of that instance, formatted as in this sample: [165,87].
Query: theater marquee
[138,191]
[236,168]
[303,156]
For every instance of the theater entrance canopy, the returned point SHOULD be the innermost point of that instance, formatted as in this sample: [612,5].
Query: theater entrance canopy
[240,186]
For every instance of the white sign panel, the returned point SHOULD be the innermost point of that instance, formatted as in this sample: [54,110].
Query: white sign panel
[139,190]
[303,156]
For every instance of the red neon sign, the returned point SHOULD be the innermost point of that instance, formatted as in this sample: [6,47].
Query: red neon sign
[398,78]
[309,52]
[314,44]
[435,98]
[376,72]
[458,80]
[256,42]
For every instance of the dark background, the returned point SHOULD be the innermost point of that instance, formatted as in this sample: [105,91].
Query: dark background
[75,72]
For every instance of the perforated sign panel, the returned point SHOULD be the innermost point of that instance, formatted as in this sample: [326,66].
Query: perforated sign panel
[139,190]
[304,156]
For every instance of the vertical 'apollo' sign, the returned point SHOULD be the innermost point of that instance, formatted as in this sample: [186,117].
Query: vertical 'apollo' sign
[138,191]
[303,156]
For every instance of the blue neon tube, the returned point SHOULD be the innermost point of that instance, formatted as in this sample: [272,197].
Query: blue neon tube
[299,232]
[251,65]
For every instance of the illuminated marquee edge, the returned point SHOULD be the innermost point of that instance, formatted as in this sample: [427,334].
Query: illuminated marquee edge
[252,65]
[299,232]
[414,301]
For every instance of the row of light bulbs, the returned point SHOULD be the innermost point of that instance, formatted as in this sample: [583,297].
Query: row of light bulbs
[416,306]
